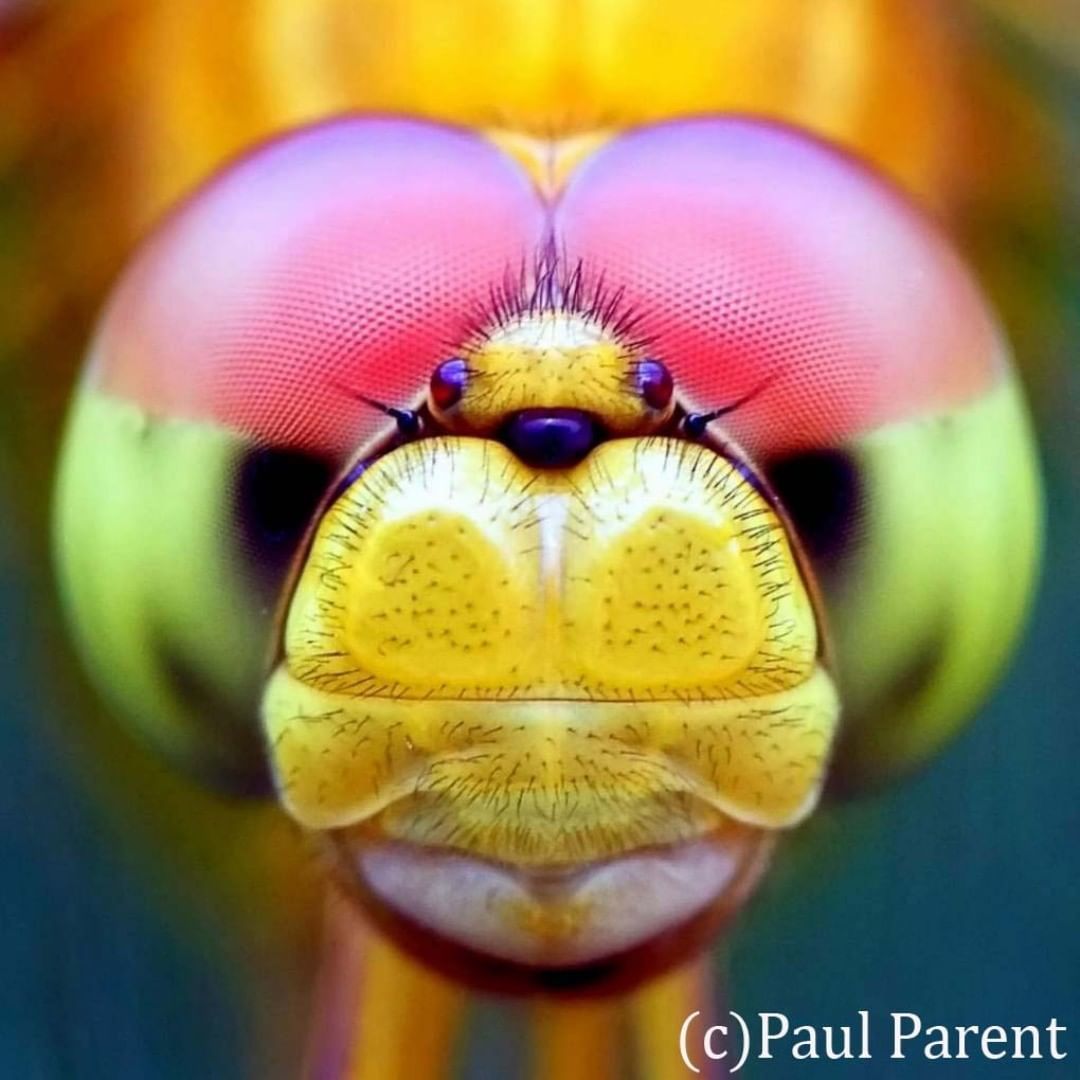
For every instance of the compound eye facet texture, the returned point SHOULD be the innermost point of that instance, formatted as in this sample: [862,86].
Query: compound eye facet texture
[753,256]
[343,256]
[219,401]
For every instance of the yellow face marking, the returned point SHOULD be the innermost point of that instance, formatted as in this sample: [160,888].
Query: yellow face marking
[553,359]
[547,667]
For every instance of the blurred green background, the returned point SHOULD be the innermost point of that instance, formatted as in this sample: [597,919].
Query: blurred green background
[148,930]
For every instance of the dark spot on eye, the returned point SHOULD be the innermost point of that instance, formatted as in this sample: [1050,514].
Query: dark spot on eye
[221,747]
[820,491]
[911,681]
[898,696]
[277,492]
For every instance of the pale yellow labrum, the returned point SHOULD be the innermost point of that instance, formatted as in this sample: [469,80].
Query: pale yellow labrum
[550,666]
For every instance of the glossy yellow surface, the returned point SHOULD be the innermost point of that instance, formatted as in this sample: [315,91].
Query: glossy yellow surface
[550,667]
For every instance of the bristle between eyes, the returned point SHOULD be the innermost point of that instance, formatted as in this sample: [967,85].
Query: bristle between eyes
[555,283]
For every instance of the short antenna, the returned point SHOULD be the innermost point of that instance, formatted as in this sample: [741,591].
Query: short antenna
[408,420]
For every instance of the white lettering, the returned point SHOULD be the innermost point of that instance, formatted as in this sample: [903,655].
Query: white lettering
[768,1035]
[806,1047]
[899,1035]
[997,1035]
[1054,1029]
[711,1053]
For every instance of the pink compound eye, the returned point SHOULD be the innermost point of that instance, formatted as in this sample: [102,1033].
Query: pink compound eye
[448,382]
[654,383]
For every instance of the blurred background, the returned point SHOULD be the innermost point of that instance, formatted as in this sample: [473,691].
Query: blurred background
[150,929]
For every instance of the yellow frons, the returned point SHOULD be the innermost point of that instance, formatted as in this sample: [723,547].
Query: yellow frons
[556,666]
